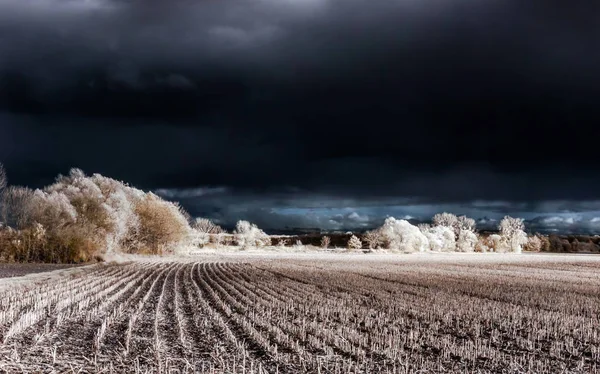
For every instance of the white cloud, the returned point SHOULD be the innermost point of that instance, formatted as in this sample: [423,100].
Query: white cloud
[354,216]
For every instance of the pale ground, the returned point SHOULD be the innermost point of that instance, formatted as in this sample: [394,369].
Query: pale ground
[331,256]
[307,311]
[43,276]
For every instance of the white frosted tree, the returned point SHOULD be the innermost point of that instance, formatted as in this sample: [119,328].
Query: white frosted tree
[512,232]
[445,220]
[354,243]
[373,239]
[325,241]
[441,238]
[401,235]
[467,241]
[249,235]
[465,223]
[463,228]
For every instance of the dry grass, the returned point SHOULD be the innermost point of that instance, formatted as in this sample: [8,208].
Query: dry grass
[319,314]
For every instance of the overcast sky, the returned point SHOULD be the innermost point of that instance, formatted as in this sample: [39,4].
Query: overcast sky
[312,113]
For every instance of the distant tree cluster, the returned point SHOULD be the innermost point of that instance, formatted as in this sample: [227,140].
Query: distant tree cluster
[449,233]
[79,217]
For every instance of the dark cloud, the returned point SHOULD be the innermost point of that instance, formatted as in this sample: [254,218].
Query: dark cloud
[340,102]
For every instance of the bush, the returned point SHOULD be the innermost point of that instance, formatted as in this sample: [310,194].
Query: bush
[162,225]
[354,243]
[534,243]
[441,238]
[249,235]
[83,217]
[402,236]
[207,226]
[467,241]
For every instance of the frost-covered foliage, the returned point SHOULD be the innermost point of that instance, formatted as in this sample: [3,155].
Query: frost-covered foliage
[401,235]
[467,241]
[205,231]
[462,227]
[83,216]
[325,241]
[441,238]
[354,243]
[199,239]
[163,226]
[373,239]
[494,243]
[534,243]
[512,231]
[457,224]
[465,223]
[249,235]
[445,219]
[207,226]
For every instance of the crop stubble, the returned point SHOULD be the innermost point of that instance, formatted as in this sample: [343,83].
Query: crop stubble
[286,315]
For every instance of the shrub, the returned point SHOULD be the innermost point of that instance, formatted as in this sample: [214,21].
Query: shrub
[402,236]
[249,235]
[162,225]
[354,243]
[534,243]
[83,217]
[495,243]
[467,241]
[207,226]
[441,238]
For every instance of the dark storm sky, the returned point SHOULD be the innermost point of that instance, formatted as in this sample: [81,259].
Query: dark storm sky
[328,113]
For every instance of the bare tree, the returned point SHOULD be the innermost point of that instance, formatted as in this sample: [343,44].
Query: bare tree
[3,180]
[207,226]
[373,239]
[16,206]
[325,241]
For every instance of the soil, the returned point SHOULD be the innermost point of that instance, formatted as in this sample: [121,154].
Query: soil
[17,269]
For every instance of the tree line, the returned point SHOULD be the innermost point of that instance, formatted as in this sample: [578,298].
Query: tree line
[81,217]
